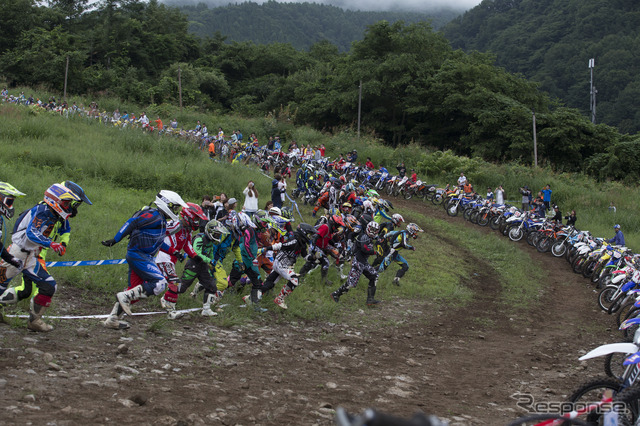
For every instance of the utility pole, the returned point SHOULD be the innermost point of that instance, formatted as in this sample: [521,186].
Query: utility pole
[359,107]
[535,141]
[66,73]
[180,87]
[592,91]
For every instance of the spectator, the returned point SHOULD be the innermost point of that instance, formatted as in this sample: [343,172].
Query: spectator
[499,195]
[174,124]
[369,164]
[212,149]
[462,180]
[467,188]
[250,199]
[268,205]
[414,176]
[571,219]
[402,169]
[239,135]
[526,197]
[270,143]
[220,136]
[322,150]
[219,205]
[546,196]
[159,125]
[276,194]
[489,194]
[209,211]
[612,208]
[618,239]
[557,214]
[538,205]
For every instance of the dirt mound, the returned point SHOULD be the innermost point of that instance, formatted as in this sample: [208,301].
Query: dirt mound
[462,364]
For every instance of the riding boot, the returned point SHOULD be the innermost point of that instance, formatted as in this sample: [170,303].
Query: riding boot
[339,292]
[371,292]
[114,320]
[35,322]
[126,297]
[210,299]
[323,275]
[9,297]
[279,300]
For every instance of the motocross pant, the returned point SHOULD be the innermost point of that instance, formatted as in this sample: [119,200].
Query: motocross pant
[359,268]
[280,271]
[33,271]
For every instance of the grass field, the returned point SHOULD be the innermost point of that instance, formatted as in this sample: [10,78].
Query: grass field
[122,170]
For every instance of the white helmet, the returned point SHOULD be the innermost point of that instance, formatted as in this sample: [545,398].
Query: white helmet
[367,205]
[275,211]
[373,228]
[244,221]
[397,219]
[170,203]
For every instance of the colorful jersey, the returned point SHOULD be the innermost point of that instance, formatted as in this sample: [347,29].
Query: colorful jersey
[398,240]
[146,230]
[177,238]
[34,228]
[210,251]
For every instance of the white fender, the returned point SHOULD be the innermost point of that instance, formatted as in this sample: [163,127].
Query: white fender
[627,348]
[618,278]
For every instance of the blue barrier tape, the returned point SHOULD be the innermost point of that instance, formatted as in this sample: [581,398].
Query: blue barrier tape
[86,263]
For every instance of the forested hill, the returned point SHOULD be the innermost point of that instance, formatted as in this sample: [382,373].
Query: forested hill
[300,24]
[551,42]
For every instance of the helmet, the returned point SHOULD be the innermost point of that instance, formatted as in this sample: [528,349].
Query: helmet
[191,214]
[368,205]
[169,203]
[305,231]
[350,187]
[372,229]
[244,221]
[8,193]
[397,219]
[77,189]
[346,207]
[59,198]
[287,213]
[372,193]
[215,230]
[351,222]
[343,179]
[337,221]
[616,226]
[275,211]
[413,230]
[262,220]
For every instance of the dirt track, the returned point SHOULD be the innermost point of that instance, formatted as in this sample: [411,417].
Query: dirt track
[461,364]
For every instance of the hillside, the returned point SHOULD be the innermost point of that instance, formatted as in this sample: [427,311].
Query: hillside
[300,24]
[551,42]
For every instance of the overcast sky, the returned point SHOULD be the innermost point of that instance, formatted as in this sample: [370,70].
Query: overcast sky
[358,4]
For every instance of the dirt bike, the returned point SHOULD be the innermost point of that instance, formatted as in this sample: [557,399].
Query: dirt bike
[595,390]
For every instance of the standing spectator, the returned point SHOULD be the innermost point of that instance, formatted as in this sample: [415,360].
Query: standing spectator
[239,136]
[526,194]
[462,180]
[250,199]
[489,194]
[617,239]
[270,143]
[144,120]
[276,195]
[369,164]
[499,195]
[159,125]
[571,219]
[198,126]
[212,149]
[116,115]
[174,124]
[219,206]
[220,136]
[546,196]
[282,186]
[209,211]
[612,208]
[557,217]
[539,206]
[414,176]
[322,150]
[402,169]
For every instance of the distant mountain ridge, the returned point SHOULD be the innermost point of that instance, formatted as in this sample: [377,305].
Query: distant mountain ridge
[300,24]
[551,42]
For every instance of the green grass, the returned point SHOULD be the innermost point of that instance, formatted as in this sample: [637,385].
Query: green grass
[122,170]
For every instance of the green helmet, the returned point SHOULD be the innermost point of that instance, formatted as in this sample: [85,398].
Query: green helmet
[215,230]
[8,193]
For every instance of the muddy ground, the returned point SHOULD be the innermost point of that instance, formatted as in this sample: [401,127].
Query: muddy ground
[462,364]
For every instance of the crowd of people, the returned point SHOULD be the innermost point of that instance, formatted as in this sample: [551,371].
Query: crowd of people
[355,226]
